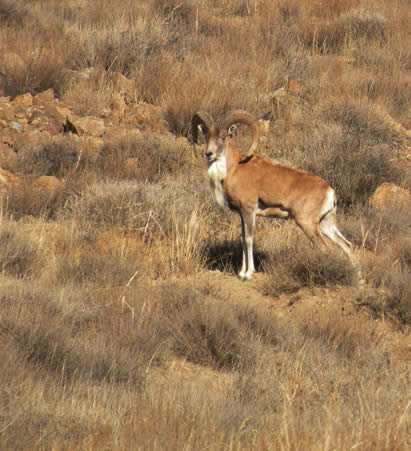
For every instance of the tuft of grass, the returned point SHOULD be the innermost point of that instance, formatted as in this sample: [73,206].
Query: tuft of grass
[18,254]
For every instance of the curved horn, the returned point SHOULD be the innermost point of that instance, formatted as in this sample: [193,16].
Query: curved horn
[200,118]
[244,117]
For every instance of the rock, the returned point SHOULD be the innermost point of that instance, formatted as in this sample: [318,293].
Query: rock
[64,111]
[145,116]
[6,111]
[89,126]
[44,97]
[47,118]
[9,136]
[388,194]
[116,132]
[25,100]
[30,141]
[16,126]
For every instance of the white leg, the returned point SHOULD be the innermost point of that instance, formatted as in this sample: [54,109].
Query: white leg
[247,230]
[328,226]
[243,270]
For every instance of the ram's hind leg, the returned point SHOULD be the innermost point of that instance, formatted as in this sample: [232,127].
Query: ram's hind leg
[328,227]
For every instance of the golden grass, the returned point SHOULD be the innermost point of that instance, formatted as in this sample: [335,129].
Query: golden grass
[122,324]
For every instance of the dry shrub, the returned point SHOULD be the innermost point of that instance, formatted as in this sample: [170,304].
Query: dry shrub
[91,95]
[90,268]
[23,201]
[333,8]
[354,139]
[14,15]
[202,89]
[335,34]
[390,273]
[123,44]
[57,156]
[186,256]
[203,330]
[40,62]
[346,339]
[18,254]
[174,13]
[365,121]
[362,23]
[378,231]
[144,207]
[60,349]
[153,157]
[293,263]
[386,263]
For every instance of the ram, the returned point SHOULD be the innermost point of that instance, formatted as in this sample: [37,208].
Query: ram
[254,186]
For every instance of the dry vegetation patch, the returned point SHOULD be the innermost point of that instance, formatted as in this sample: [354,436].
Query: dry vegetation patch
[122,324]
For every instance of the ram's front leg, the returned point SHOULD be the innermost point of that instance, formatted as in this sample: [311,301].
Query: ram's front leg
[247,231]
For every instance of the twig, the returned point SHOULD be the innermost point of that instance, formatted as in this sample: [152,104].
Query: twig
[123,297]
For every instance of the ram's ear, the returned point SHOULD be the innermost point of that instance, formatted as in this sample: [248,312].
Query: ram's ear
[231,130]
[201,121]
[202,129]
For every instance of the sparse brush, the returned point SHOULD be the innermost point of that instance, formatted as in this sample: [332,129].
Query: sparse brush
[361,23]
[199,331]
[352,139]
[293,263]
[146,158]
[56,156]
[18,254]
[212,335]
[147,209]
[28,200]
[12,14]
[33,62]
[113,329]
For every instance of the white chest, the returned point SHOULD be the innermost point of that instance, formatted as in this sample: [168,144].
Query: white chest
[217,172]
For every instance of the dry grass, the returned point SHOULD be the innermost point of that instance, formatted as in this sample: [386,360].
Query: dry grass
[122,324]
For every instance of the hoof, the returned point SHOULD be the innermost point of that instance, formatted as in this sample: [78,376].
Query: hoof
[244,277]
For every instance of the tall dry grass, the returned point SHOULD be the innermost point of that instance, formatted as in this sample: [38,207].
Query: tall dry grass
[122,325]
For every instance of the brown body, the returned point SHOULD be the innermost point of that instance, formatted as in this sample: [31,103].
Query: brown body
[250,185]
[255,186]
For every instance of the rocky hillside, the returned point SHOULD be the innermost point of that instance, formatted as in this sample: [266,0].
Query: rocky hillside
[123,324]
